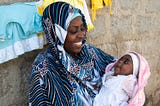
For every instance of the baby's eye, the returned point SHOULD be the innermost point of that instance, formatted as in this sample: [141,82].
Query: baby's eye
[126,61]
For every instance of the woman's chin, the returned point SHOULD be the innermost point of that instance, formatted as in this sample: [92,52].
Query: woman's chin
[77,51]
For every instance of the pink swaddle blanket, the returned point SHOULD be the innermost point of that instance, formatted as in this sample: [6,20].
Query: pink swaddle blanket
[138,98]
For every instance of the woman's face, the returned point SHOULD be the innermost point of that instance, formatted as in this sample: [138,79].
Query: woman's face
[75,34]
[124,66]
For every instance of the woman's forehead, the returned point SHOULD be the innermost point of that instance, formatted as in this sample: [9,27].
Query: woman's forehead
[77,20]
[75,23]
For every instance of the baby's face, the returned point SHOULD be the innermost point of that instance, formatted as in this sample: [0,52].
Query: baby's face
[124,66]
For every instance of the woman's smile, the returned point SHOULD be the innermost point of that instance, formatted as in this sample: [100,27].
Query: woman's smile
[78,44]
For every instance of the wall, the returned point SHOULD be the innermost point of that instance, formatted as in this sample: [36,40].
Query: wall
[134,25]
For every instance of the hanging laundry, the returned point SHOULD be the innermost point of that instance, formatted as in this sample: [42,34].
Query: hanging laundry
[81,4]
[20,25]
[24,14]
[98,4]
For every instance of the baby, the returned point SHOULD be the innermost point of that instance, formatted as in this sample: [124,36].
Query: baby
[124,81]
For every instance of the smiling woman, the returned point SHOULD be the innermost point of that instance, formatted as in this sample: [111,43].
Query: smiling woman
[75,36]
[69,72]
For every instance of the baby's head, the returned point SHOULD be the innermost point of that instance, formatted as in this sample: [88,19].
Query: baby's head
[127,64]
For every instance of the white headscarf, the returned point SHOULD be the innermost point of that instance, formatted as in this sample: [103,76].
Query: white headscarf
[136,63]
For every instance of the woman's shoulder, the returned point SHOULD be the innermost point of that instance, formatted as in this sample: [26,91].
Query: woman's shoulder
[100,53]
[87,46]
[39,58]
[91,48]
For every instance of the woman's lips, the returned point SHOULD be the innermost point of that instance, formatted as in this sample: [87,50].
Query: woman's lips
[78,44]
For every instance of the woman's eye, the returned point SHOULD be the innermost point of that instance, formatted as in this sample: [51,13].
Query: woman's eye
[83,29]
[73,32]
[77,30]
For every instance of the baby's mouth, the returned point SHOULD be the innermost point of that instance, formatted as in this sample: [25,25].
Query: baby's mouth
[117,68]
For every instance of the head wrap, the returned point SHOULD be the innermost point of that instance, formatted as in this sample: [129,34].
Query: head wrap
[135,63]
[138,97]
[144,73]
[55,21]
[71,16]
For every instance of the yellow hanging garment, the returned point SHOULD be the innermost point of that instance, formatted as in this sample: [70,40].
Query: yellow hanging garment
[108,3]
[81,4]
[42,4]
[97,4]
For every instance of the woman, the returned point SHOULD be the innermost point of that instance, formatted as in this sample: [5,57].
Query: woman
[69,72]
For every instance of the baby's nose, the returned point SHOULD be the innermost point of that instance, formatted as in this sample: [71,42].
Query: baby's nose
[120,63]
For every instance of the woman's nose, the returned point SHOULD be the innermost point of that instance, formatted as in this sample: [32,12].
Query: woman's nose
[81,34]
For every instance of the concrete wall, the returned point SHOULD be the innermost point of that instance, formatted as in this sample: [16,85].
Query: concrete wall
[134,25]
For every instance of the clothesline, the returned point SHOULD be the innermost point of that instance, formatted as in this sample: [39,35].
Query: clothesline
[20,25]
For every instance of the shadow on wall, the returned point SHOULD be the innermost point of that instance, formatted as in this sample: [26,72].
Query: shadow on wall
[14,76]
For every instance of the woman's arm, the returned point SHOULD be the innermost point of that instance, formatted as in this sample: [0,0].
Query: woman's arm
[103,60]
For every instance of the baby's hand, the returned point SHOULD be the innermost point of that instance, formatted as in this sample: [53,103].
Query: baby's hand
[95,86]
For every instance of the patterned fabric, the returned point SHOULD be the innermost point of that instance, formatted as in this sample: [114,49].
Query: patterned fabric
[57,79]
[138,98]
